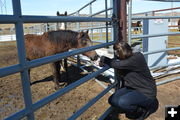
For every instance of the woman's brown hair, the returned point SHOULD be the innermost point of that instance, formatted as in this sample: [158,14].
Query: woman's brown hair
[123,50]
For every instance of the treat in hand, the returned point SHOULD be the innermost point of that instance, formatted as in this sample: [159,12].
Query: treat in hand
[97,62]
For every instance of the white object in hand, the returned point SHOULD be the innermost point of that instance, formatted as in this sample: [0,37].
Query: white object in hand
[97,62]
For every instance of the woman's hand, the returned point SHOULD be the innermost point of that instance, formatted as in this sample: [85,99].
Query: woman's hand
[104,61]
[97,62]
[101,61]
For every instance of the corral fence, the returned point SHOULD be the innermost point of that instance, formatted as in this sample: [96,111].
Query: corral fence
[18,19]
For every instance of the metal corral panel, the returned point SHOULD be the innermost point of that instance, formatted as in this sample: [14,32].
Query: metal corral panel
[156,26]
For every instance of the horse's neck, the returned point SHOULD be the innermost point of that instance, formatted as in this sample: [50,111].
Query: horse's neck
[71,41]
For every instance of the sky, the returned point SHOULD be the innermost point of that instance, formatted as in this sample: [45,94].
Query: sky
[50,7]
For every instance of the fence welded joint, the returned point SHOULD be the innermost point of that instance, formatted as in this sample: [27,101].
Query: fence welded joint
[55,95]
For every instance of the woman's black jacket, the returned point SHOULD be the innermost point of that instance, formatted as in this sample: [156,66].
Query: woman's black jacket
[136,73]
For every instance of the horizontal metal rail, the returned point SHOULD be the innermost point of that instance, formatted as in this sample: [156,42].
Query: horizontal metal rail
[156,11]
[10,70]
[162,50]
[100,12]
[163,66]
[45,60]
[9,19]
[37,62]
[154,17]
[82,7]
[167,81]
[42,19]
[155,35]
[91,28]
[104,115]
[34,63]
[55,95]
[91,102]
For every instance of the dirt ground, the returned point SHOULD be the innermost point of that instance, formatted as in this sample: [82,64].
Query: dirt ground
[11,96]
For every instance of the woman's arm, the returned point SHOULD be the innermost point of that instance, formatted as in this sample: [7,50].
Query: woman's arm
[129,63]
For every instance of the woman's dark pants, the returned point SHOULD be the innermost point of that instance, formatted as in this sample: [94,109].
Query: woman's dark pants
[132,102]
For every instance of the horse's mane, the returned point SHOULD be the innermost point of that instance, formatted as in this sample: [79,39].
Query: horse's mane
[63,36]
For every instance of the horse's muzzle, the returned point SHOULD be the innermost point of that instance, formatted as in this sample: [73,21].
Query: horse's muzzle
[95,57]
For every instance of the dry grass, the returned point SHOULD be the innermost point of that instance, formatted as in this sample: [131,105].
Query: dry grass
[174,41]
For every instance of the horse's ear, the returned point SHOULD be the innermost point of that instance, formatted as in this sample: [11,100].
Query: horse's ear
[81,34]
[87,32]
[65,13]
[58,13]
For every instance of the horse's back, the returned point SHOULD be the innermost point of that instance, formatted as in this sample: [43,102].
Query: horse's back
[36,46]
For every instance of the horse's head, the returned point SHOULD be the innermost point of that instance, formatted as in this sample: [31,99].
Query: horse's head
[85,41]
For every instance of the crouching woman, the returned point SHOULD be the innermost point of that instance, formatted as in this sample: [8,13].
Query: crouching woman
[137,98]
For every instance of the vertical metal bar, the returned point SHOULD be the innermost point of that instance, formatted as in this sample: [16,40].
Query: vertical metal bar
[111,13]
[106,22]
[116,32]
[145,40]
[123,21]
[101,34]
[91,23]
[129,21]
[78,27]
[22,58]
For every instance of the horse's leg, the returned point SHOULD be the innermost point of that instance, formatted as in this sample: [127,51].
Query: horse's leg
[66,69]
[29,70]
[56,73]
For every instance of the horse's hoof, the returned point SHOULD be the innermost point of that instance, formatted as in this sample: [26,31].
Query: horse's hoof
[57,87]
[62,84]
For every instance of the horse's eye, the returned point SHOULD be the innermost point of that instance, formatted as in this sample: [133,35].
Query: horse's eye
[82,35]
[84,42]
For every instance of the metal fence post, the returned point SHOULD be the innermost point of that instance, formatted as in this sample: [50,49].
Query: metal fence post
[22,58]
[91,23]
[123,20]
[116,32]
[78,27]
[106,22]
[129,21]
[145,40]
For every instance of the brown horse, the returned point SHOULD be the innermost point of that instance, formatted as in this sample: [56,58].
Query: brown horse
[54,42]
